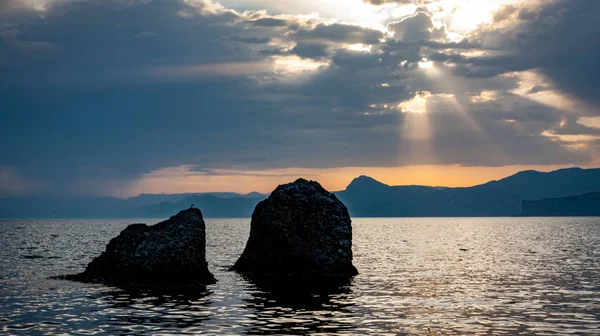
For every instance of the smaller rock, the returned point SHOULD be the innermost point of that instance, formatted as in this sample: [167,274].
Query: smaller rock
[170,254]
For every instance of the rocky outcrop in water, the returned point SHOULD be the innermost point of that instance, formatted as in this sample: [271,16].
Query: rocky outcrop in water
[170,254]
[300,230]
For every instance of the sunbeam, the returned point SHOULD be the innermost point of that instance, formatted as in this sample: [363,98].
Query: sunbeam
[453,90]
[415,131]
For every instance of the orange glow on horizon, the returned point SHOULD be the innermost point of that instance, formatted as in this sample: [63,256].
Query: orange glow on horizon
[181,180]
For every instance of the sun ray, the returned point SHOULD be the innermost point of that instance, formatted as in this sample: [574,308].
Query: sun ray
[415,131]
[442,80]
[415,140]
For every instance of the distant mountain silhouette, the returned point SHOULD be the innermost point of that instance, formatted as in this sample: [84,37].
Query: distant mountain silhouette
[142,206]
[364,197]
[580,205]
[153,199]
[211,206]
[365,183]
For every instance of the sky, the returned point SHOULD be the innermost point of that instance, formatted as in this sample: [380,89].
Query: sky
[121,97]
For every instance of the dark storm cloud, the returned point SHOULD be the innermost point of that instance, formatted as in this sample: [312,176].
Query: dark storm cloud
[483,66]
[74,105]
[140,86]
[561,43]
[526,14]
[355,61]
[313,50]
[317,42]
[571,126]
[340,33]
[269,22]
[250,39]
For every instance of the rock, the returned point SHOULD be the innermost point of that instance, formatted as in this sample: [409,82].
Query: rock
[300,230]
[170,254]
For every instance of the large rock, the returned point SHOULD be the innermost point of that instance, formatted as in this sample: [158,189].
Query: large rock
[169,254]
[300,230]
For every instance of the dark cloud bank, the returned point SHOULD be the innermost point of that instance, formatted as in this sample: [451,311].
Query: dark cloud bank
[104,91]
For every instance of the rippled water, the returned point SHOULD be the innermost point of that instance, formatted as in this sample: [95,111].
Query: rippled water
[417,276]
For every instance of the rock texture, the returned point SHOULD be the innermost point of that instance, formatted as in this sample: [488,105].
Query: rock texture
[300,230]
[169,254]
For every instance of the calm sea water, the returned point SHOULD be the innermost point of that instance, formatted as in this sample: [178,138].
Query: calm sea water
[450,276]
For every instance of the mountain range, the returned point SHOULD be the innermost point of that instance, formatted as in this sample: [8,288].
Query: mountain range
[579,205]
[364,197]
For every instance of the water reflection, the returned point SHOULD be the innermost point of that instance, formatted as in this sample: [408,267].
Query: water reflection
[418,277]
[137,311]
[304,292]
[284,305]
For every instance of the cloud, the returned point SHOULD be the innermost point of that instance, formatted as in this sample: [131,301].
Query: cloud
[526,14]
[203,171]
[195,171]
[414,28]
[99,100]
[268,22]
[401,2]
[11,6]
[571,126]
[558,43]
[537,89]
[313,50]
[340,33]
[13,11]
[250,39]
[504,13]
[15,50]
[211,70]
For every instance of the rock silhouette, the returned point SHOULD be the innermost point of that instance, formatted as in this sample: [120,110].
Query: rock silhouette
[301,229]
[170,254]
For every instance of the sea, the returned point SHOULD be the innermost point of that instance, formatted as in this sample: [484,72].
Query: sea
[418,276]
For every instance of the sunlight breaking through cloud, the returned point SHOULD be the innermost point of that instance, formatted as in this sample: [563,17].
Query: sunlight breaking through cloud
[416,105]
[296,66]
[312,84]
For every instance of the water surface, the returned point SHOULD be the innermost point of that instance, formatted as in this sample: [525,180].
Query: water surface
[451,276]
